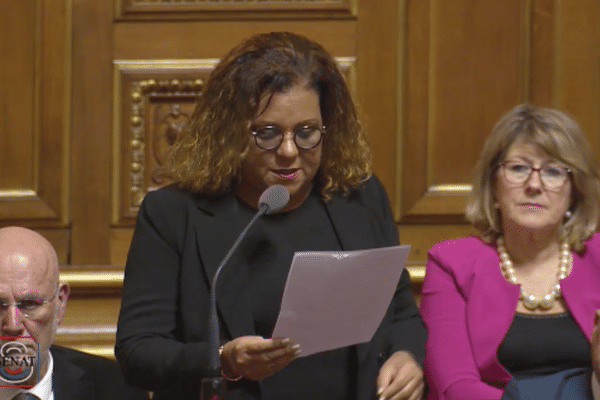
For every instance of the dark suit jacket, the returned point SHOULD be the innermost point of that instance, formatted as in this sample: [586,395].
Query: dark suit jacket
[178,243]
[572,384]
[79,376]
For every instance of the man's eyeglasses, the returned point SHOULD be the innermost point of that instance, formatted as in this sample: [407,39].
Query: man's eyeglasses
[269,137]
[553,176]
[31,308]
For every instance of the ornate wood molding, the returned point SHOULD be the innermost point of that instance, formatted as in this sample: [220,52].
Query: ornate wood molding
[154,101]
[170,123]
[244,9]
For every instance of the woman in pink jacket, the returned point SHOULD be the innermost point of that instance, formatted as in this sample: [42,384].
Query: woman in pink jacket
[518,301]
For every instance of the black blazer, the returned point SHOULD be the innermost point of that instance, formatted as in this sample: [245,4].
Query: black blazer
[570,384]
[180,239]
[79,376]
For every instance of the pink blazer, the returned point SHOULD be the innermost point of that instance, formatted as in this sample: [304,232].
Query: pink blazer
[468,308]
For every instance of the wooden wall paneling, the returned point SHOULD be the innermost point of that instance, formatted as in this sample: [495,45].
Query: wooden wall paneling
[274,9]
[34,41]
[60,239]
[120,239]
[475,65]
[166,40]
[476,75]
[382,83]
[413,98]
[18,101]
[91,127]
[577,64]
[460,72]
[542,53]
[89,324]
[377,35]
[154,100]
[55,93]
[90,319]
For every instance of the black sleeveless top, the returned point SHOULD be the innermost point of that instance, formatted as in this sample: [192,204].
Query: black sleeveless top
[537,345]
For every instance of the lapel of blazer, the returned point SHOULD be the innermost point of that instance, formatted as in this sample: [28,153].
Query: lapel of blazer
[351,223]
[491,305]
[217,227]
[580,288]
[70,381]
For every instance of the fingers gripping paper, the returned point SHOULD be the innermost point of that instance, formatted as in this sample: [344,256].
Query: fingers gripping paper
[334,299]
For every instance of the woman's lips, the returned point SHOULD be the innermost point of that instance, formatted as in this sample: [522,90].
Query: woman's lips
[286,174]
[532,206]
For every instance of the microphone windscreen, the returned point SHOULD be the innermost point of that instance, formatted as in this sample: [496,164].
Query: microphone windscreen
[274,199]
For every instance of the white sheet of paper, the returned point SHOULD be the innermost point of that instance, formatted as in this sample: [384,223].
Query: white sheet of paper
[334,299]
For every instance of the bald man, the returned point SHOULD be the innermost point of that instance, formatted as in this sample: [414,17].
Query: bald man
[32,304]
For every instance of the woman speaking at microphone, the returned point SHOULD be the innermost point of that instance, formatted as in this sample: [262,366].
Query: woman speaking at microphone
[276,110]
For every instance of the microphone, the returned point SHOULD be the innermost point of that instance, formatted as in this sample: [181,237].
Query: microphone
[273,199]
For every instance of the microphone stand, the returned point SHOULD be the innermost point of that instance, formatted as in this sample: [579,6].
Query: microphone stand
[214,385]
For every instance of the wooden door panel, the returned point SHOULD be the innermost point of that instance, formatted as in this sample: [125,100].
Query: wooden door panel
[465,70]
[576,83]
[34,44]
[18,44]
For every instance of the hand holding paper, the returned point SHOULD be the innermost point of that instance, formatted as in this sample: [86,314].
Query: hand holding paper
[334,299]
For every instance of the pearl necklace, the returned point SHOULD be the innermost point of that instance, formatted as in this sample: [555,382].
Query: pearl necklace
[530,301]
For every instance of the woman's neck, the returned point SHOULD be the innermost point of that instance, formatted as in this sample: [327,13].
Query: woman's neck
[251,196]
[531,247]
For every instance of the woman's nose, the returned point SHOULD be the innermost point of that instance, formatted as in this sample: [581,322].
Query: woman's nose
[288,146]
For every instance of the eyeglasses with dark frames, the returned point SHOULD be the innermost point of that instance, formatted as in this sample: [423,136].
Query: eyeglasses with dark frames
[270,137]
[30,308]
[552,176]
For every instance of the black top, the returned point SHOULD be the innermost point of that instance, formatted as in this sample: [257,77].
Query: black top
[268,251]
[537,345]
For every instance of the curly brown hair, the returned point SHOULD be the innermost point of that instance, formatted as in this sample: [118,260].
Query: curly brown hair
[559,136]
[208,154]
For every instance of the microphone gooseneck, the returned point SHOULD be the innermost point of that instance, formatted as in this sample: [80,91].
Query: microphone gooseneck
[271,200]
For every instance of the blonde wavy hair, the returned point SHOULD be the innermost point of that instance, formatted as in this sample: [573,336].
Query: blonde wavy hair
[209,152]
[559,136]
